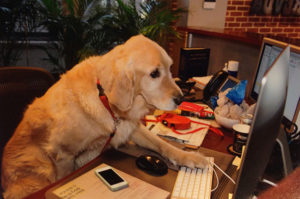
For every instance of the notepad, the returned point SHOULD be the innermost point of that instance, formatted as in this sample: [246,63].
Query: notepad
[193,140]
[90,186]
[201,81]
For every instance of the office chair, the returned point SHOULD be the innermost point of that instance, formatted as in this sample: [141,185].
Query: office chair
[18,88]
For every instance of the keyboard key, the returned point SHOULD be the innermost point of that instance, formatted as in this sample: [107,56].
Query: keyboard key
[178,183]
[193,183]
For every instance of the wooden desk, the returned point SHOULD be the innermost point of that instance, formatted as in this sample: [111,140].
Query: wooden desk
[217,143]
[126,163]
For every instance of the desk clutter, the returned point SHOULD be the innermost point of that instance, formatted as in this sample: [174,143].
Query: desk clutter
[230,105]
[89,185]
[191,140]
[201,82]
[225,94]
[187,125]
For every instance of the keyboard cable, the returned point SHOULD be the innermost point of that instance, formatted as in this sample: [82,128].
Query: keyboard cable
[217,178]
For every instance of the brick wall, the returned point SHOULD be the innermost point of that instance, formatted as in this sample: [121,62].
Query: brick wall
[238,19]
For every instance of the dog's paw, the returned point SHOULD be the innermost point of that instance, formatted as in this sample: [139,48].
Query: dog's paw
[195,159]
[190,159]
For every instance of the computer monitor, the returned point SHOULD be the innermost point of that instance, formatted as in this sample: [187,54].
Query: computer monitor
[270,50]
[265,126]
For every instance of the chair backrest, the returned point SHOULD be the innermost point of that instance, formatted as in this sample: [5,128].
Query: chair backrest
[18,88]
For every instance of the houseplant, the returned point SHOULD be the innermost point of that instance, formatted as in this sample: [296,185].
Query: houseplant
[152,18]
[19,20]
[74,28]
[80,28]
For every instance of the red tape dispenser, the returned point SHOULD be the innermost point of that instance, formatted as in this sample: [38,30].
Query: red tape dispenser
[177,122]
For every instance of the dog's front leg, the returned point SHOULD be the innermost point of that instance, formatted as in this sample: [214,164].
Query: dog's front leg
[86,157]
[64,164]
[143,137]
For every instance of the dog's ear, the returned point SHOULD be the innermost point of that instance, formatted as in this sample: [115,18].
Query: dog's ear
[123,86]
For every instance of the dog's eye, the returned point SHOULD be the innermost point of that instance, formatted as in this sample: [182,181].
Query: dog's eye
[155,73]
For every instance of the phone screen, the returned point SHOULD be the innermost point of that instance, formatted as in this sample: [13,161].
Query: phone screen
[110,176]
[229,83]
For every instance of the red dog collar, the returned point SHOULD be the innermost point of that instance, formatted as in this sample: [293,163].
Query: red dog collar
[105,102]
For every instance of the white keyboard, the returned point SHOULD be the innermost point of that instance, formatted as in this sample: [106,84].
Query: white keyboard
[193,183]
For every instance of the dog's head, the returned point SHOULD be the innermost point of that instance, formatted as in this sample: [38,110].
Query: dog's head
[142,67]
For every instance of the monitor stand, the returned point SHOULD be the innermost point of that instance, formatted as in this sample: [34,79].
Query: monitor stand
[285,156]
[286,160]
[285,152]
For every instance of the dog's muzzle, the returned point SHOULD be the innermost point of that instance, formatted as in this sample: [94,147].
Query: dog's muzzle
[178,99]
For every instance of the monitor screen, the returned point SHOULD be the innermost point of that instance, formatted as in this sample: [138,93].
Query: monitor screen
[265,126]
[270,50]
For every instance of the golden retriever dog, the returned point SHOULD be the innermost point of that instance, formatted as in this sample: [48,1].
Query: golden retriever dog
[68,126]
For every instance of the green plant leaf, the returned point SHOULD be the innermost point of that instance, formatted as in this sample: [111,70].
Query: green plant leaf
[87,27]
[70,6]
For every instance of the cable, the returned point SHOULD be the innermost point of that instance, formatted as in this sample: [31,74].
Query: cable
[217,178]
[289,127]
[225,173]
[295,135]
[269,182]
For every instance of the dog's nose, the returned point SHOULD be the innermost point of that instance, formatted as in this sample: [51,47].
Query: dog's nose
[178,99]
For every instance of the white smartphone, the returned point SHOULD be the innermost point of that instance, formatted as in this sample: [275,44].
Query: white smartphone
[111,179]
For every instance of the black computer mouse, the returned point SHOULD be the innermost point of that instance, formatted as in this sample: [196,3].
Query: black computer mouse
[152,165]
